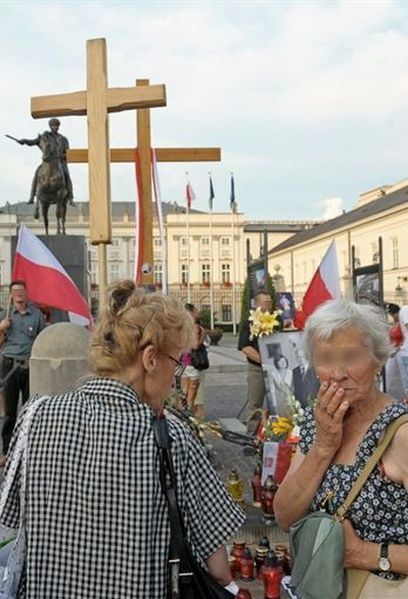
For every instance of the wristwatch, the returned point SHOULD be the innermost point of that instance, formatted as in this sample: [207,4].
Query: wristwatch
[384,563]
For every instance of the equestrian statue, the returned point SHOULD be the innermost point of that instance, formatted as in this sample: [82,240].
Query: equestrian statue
[52,182]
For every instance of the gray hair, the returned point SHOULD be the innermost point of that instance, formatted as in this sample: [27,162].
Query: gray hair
[335,315]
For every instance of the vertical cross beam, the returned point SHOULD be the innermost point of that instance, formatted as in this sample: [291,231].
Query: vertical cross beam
[100,223]
[143,144]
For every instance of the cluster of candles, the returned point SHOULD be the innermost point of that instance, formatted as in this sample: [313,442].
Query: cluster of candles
[267,565]
[263,494]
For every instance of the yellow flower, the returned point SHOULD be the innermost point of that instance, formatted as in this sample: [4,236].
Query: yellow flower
[262,323]
[282,426]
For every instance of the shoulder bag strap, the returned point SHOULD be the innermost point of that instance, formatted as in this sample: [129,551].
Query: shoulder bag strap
[370,465]
[168,484]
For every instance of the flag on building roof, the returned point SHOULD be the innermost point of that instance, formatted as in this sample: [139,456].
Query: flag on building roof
[190,195]
[212,194]
[325,283]
[46,280]
[233,203]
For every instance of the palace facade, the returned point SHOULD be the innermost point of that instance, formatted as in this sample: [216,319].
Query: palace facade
[207,254]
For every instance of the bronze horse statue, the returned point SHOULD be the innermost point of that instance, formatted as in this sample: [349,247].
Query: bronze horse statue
[51,185]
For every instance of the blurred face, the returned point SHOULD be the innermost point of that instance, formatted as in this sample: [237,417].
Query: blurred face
[347,360]
[54,127]
[264,302]
[282,362]
[301,358]
[18,293]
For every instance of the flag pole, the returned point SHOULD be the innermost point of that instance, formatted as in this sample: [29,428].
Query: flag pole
[234,307]
[211,263]
[188,243]
[234,304]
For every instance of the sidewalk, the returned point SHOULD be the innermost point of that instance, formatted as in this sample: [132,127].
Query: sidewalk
[225,394]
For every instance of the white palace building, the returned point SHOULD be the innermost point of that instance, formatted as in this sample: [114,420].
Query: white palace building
[200,256]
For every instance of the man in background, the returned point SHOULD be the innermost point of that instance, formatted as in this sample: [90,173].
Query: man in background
[255,377]
[305,382]
[20,326]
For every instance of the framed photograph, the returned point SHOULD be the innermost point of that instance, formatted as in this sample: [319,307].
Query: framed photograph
[286,371]
[257,278]
[284,301]
[367,285]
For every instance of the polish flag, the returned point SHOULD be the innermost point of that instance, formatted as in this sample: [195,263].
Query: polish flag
[190,195]
[47,281]
[325,283]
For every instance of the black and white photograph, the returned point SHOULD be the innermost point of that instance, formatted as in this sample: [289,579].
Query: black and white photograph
[287,372]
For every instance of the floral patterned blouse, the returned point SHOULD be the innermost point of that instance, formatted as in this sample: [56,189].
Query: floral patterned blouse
[380,512]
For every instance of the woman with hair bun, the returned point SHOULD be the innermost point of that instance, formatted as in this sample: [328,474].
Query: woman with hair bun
[97,523]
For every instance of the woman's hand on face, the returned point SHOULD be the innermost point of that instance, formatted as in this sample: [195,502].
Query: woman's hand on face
[353,546]
[329,413]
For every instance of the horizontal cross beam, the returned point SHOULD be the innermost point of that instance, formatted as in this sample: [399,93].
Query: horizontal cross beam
[162,155]
[117,99]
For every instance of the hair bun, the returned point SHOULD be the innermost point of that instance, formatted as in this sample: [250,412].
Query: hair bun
[119,294]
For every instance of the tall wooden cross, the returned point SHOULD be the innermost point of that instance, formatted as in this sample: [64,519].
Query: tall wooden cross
[162,155]
[96,102]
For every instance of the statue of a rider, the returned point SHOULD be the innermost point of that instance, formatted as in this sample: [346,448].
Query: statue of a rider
[61,147]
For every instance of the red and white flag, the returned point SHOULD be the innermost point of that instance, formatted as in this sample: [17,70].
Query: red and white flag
[325,284]
[190,195]
[46,280]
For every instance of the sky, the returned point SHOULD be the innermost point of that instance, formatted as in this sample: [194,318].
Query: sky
[307,99]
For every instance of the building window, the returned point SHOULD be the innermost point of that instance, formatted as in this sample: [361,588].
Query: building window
[205,273]
[395,253]
[157,242]
[305,272]
[116,242]
[226,273]
[184,274]
[226,313]
[114,272]
[94,272]
[114,254]
[225,240]
[158,274]
[205,241]
[357,261]
[183,240]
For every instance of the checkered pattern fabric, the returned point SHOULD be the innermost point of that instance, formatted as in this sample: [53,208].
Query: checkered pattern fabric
[97,524]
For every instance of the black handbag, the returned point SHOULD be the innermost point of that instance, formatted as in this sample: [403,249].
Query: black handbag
[199,358]
[187,579]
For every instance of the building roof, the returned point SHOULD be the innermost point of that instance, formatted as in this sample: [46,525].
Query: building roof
[119,209]
[377,206]
[278,226]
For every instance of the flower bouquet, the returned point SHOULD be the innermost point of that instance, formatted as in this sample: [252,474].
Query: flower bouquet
[263,323]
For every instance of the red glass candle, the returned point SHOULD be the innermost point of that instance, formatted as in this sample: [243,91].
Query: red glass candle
[272,575]
[247,565]
[237,552]
[282,553]
[260,555]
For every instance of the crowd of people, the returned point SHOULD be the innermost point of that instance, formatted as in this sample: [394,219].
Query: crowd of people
[97,523]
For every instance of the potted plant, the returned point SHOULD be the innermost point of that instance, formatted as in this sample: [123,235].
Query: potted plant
[214,334]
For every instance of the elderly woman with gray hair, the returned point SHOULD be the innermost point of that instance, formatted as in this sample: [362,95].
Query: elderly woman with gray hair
[348,346]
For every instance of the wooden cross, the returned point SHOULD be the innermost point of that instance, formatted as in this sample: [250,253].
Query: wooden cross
[162,155]
[96,102]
